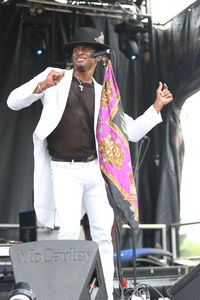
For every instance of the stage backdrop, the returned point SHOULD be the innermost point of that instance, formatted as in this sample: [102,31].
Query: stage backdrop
[175,61]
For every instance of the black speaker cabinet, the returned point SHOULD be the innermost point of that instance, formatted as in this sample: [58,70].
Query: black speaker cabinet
[27,223]
[60,269]
[188,287]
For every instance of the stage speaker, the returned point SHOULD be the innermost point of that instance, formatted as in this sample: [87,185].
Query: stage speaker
[60,269]
[27,226]
[188,287]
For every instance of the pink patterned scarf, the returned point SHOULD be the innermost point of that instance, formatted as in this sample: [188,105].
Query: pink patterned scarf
[114,153]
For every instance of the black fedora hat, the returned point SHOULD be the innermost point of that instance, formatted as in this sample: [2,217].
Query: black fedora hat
[87,36]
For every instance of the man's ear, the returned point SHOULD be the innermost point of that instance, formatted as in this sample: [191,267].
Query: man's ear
[99,58]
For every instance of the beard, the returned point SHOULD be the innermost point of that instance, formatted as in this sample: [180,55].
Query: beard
[81,69]
[84,67]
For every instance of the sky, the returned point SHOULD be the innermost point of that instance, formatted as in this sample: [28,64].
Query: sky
[190,196]
[164,10]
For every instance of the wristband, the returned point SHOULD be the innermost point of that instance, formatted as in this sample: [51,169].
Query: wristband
[39,87]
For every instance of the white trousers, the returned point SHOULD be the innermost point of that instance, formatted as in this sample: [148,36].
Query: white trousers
[80,188]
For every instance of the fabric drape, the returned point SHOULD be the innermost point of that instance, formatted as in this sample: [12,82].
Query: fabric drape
[114,153]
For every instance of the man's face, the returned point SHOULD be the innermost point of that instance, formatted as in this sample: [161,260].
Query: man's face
[81,58]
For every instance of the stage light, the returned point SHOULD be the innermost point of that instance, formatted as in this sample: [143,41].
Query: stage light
[130,27]
[131,50]
[21,291]
[37,42]
[129,38]
[129,46]
[39,51]
[36,29]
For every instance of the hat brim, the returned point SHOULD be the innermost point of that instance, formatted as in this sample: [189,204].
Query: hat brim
[98,46]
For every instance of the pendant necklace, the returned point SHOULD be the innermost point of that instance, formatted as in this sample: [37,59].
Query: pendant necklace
[80,84]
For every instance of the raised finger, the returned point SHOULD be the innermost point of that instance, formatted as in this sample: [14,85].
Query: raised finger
[165,87]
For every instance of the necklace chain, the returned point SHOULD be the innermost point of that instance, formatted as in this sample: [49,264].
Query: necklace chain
[81,83]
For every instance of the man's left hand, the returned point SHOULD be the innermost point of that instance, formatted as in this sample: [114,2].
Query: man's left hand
[163,97]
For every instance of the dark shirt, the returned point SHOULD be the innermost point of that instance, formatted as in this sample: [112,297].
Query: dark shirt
[74,135]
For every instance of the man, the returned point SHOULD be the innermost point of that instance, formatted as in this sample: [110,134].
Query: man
[67,176]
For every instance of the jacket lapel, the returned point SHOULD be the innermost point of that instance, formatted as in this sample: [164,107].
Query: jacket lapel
[97,90]
[55,100]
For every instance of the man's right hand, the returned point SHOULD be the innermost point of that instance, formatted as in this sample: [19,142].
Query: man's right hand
[53,78]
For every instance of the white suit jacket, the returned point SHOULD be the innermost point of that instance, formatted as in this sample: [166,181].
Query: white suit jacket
[54,101]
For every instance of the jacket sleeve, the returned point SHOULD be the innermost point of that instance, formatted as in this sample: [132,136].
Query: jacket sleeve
[23,96]
[136,129]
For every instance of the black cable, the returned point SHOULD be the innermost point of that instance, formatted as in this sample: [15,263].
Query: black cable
[156,290]
[140,287]
[139,162]
[114,63]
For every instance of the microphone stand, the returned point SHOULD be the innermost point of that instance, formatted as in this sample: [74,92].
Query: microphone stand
[133,225]
[134,256]
[118,256]
[138,289]
[105,60]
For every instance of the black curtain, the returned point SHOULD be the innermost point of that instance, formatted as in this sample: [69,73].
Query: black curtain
[176,62]
[158,179]
[178,54]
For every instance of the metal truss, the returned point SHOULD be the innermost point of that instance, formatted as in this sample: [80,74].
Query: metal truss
[123,9]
